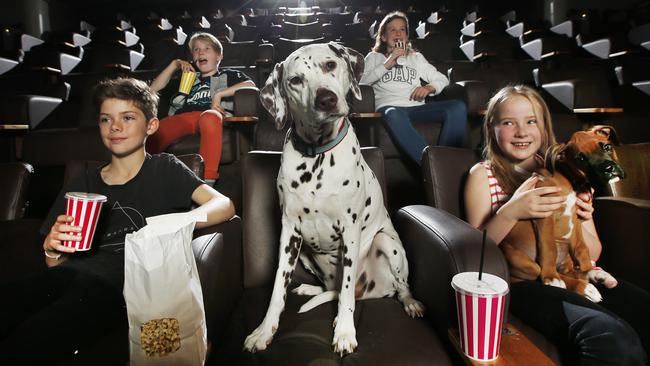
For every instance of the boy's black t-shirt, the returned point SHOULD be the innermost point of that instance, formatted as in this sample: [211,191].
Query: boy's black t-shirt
[163,185]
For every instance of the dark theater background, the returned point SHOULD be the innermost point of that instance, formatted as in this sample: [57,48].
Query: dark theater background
[589,59]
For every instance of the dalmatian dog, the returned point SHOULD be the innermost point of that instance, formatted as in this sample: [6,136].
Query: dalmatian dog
[333,217]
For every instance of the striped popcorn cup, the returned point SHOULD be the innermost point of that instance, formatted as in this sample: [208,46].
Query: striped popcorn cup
[480,313]
[85,208]
[187,80]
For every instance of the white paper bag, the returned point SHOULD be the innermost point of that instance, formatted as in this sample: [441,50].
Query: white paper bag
[163,293]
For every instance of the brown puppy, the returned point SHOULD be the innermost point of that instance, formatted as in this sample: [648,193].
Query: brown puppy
[553,248]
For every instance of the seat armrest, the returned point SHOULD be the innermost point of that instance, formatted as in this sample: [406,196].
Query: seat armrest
[218,253]
[475,94]
[246,101]
[439,245]
[21,247]
[622,225]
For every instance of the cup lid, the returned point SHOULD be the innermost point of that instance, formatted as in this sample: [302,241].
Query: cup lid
[86,196]
[489,285]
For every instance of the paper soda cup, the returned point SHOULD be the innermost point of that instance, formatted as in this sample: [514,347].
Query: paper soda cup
[187,80]
[85,208]
[480,307]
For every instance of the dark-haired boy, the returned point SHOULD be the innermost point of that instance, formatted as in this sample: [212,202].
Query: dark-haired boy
[79,297]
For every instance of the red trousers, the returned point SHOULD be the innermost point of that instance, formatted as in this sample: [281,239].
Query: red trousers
[208,124]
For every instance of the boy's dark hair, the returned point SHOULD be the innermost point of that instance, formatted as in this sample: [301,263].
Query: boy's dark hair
[134,90]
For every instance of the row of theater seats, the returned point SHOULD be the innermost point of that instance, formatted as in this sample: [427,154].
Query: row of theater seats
[237,265]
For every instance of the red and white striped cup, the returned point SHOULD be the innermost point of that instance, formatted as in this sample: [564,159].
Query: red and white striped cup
[85,208]
[480,313]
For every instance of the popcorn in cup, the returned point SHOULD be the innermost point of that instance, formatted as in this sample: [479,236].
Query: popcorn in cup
[85,208]
[480,305]
[187,80]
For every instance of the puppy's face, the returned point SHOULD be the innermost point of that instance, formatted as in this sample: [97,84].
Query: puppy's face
[311,86]
[594,154]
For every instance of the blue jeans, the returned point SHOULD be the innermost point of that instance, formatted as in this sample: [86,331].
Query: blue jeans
[452,114]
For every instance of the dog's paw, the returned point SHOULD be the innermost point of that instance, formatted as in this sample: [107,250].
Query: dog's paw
[599,275]
[307,290]
[260,338]
[555,282]
[413,308]
[592,293]
[345,340]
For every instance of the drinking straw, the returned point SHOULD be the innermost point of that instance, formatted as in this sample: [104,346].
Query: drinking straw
[480,268]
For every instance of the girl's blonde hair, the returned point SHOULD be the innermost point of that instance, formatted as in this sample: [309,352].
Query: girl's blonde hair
[503,169]
[208,38]
[380,46]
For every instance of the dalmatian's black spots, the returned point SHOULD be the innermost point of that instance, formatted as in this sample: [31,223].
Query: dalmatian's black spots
[294,249]
[367,217]
[349,278]
[345,249]
[368,201]
[297,58]
[306,210]
[294,184]
[354,218]
[354,150]
[373,175]
[347,262]
[318,162]
[349,210]
[346,182]
[346,286]
[332,163]
[280,188]
[310,57]
[287,249]
[305,177]
[302,166]
[371,285]
[297,231]
[394,251]
[380,253]
[300,220]
[320,175]
[363,228]
[358,184]
[362,168]
[319,185]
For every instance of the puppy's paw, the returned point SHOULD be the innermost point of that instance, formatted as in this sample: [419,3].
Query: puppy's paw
[555,282]
[307,290]
[345,339]
[413,308]
[599,275]
[592,293]
[260,338]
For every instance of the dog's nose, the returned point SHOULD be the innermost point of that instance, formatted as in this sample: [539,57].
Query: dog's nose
[325,100]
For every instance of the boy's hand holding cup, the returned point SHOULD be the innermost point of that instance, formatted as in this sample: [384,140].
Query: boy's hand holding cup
[84,208]
[188,76]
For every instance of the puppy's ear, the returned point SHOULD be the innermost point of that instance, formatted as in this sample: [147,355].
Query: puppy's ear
[355,64]
[607,131]
[273,97]
[554,154]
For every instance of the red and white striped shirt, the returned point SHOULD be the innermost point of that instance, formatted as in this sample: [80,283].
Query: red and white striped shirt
[498,197]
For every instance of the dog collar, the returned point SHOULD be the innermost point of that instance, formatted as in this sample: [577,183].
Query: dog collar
[312,150]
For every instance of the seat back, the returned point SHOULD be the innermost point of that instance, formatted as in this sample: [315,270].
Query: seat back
[14,180]
[262,218]
[444,171]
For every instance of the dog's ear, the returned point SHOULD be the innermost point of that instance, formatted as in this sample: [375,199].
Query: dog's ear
[355,64]
[607,131]
[555,153]
[273,97]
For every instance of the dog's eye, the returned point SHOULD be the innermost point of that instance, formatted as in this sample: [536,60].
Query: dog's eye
[607,147]
[296,80]
[581,158]
[330,65]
